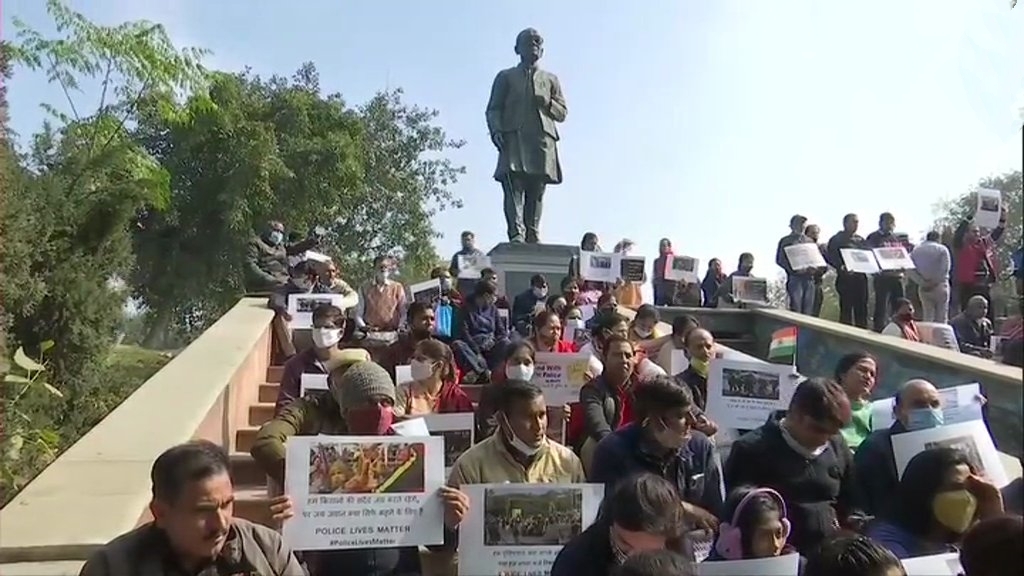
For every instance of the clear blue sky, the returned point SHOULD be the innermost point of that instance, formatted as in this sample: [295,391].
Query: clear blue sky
[710,123]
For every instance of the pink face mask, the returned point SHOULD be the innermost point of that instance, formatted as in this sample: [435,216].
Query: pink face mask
[370,421]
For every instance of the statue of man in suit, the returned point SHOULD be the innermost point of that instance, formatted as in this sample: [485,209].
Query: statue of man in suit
[525,104]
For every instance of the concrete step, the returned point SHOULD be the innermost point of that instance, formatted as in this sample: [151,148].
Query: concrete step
[253,504]
[245,471]
[261,413]
[268,392]
[274,374]
[245,437]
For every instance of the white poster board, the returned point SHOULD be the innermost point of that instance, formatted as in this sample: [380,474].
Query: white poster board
[312,383]
[301,307]
[804,256]
[989,207]
[743,394]
[426,291]
[938,565]
[678,362]
[750,289]
[315,256]
[788,565]
[893,258]
[457,429]
[403,374]
[599,266]
[683,268]
[560,376]
[364,492]
[959,404]
[521,528]
[471,265]
[971,437]
[861,261]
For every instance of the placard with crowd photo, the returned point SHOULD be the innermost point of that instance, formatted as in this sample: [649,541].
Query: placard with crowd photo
[860,261]
[936,565]
[683,268]
[520,528]
[427,291]
[971,437]
[988,208]
[457,429]
[804,256]
[631,268]
[893,258]
[312,384]
[364,491]
[471,265]
[750,289]
[301,307]
[743,394]
[598,266]
[787,565]
[560,376]
[959,404]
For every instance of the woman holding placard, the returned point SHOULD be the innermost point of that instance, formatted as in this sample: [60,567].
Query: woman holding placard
[433,388]
[938,498]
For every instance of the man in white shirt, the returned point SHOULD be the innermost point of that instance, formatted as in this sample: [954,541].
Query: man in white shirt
[932,261]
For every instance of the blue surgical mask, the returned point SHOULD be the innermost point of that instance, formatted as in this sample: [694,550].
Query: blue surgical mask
[925,418]
[276,237]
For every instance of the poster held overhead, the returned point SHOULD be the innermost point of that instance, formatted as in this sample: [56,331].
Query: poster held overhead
[988,208]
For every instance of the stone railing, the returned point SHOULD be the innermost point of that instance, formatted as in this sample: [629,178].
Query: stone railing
[100,487]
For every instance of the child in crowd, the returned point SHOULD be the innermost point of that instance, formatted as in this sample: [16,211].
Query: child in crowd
[756,526]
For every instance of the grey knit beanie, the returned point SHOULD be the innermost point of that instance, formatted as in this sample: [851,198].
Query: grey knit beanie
[362,382]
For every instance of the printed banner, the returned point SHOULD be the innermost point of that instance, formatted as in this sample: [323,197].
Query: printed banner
[560,376]
[743,394]
[364,492]
[519,529]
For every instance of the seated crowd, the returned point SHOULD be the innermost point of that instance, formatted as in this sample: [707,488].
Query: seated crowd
[814,480]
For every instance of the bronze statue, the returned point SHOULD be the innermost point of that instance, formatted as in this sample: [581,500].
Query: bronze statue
[525,104]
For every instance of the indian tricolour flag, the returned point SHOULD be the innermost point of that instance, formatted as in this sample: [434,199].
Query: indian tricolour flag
[783,343]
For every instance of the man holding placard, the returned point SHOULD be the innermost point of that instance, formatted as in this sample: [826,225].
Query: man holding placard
[852,287]
[888,283]
[793,258]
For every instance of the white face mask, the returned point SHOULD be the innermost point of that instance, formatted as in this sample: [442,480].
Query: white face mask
[540,292]
[520,446]
[800,448]
[326,337]
[519,372]
[421,369]
[643,332]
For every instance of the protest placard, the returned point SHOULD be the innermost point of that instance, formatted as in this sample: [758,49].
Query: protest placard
[364,491]
[683,268]
[599,266]
[471,265]
[743,394]
[312,384]
[427,291]
[893,258]
[970,437]
[861,261]
[520,528]
[301,306]
[631,268]
[749,289]
[560,376]
[788,565]
[805,256]
[989,207]
[457,429]
[936,565]
[959,404]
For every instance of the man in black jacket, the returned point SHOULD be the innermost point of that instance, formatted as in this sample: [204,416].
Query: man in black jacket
[888,283]
[801,455]
[852,287]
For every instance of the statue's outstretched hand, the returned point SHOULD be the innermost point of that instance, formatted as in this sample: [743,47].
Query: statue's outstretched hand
[498,140]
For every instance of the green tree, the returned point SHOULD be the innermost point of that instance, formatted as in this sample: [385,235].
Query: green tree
[70,201]
[256,149]
[951,213]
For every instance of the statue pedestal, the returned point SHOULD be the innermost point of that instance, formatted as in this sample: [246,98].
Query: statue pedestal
[517,263]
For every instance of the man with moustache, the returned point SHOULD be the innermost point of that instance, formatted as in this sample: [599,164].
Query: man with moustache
[193,529]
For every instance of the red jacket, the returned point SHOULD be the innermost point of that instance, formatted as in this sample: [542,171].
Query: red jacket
[970,257]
